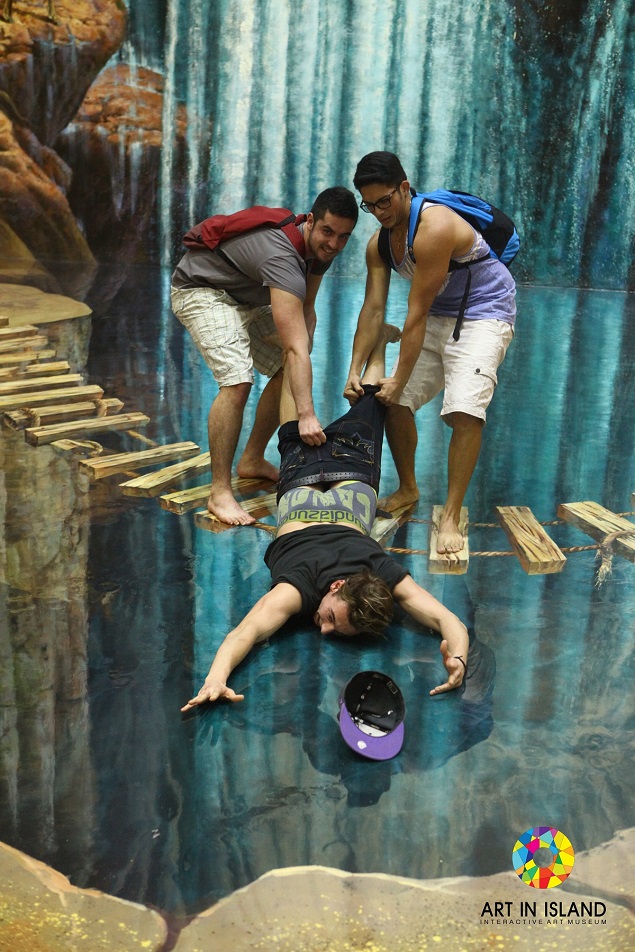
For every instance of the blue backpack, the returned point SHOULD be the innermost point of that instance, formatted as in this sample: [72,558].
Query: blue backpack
[496,227]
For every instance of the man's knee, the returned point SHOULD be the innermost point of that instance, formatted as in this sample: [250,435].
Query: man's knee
[237,393]
[399,415]
[399,409]
[463,422]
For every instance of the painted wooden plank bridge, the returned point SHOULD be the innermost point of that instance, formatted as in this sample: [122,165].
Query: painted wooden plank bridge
[39,395]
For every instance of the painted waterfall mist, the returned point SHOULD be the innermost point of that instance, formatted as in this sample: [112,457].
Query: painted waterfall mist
[526,103]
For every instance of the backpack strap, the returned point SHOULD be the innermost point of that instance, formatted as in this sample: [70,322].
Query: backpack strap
[456,333]
[416,207]
[288,225]
[383,241]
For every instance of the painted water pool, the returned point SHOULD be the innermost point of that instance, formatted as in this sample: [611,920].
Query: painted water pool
[112,609]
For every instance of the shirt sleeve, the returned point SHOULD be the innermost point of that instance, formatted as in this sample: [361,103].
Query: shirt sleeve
[285,273]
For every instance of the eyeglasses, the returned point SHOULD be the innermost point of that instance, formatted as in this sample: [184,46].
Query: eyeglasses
[383,202]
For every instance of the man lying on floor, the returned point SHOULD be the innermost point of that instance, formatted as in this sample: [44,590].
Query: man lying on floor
[323,562]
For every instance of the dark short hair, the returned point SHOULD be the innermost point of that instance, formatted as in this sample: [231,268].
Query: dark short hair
[379,168]
[338,201]
[369,600]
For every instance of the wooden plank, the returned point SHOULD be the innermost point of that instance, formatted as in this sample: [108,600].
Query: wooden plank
[457,564]
[598,522]
[40,398]
[20,419]
[51,367]
[77,448]
[259,506]
[140,459]
[42,383]
[537,552]
[28,344]
[152,484]
[187,499]
[22,372]
[383,527]
[25,356]
[24,330]
[40,435]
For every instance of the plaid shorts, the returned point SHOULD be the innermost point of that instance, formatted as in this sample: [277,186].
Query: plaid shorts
[232,338]
[466,370]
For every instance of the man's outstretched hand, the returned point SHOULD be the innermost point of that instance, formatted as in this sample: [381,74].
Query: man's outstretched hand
[212,691]
[454,667]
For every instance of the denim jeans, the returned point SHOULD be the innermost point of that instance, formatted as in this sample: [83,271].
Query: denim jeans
[352,449]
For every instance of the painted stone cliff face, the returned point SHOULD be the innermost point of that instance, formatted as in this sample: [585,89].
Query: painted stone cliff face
[40,242]
[117,134]
[46,69]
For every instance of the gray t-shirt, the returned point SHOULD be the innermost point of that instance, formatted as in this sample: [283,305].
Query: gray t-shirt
[264,258]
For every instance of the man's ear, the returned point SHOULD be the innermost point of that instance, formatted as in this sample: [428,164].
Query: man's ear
[405,187]
[336,586]
[310,220]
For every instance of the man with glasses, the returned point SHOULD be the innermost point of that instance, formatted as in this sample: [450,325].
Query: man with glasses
[430,358]
[244,305]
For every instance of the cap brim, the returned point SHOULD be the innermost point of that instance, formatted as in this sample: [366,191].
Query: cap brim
[375,748]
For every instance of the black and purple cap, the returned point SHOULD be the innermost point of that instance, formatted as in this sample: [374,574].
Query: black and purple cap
[371,717]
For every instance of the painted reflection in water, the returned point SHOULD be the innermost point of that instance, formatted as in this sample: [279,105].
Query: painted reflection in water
[112,609]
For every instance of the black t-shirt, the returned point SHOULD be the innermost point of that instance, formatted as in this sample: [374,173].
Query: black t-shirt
[310,559]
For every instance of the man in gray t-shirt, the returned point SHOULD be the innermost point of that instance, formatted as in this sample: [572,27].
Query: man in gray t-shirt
[245,307]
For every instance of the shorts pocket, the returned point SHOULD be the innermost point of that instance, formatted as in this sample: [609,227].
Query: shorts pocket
[292,461]
[354,441]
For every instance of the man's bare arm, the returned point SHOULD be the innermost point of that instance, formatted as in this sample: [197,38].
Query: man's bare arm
[288,316]
[439,234]
[313,282]
[427,610]
[265,618]
[371,317]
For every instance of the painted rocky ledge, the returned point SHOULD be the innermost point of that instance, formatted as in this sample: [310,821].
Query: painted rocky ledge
[117,135]
[74,50]
[316,909]
[36,221]
[65,321]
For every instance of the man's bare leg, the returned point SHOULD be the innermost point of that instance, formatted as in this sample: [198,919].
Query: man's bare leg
[253,462]
[463,454]
[223,426]
[376,364]
[373,372]
[401,432]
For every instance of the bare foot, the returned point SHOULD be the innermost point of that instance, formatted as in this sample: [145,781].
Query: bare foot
[222,504]
[449,539]
[391,333]
[398,499]
[257,469]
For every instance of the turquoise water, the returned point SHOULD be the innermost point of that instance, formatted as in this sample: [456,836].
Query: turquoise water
[104,778]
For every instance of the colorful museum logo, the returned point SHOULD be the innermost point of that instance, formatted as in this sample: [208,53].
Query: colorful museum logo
[543,857]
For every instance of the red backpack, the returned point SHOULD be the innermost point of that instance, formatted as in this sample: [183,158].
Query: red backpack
[213,231]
